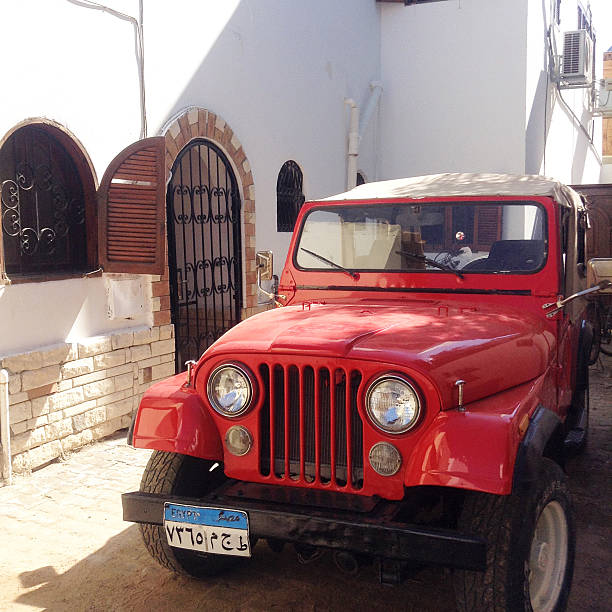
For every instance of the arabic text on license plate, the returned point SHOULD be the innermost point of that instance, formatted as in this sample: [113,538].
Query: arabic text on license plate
[209,530]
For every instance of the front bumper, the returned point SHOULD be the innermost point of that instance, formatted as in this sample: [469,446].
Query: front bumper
[369,531]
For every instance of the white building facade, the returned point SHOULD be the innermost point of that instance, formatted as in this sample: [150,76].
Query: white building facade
[256,101]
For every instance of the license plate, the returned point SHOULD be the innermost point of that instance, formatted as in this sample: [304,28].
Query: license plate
[216,531]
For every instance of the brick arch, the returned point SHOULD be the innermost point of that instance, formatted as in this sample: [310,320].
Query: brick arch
[197,122]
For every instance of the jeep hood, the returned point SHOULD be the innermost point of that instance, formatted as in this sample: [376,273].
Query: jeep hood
[489,348]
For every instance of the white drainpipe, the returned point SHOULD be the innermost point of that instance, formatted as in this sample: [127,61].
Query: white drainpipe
[7,472]
[357,129]
[353,144]
[376,91]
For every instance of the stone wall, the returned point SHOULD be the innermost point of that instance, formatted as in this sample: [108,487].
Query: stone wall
[65,396]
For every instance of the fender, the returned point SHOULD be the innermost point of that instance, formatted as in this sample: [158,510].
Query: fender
[585,340]
[476,449]
[541,434]
[172,418]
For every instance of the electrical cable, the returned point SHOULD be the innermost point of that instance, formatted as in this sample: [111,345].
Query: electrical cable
[139,48]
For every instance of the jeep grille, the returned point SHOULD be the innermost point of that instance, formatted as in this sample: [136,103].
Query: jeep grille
[305,417]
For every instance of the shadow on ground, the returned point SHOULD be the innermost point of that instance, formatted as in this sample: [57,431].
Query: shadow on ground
[121,576]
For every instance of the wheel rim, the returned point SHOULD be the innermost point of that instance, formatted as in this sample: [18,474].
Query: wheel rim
[548,558]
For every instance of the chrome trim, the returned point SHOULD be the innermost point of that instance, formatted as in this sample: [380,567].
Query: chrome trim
[246,373]
[189,364]
[401,378]
[459,384]
[249,436]
[399,458]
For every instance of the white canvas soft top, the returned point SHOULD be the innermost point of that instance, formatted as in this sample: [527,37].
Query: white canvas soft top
[466,184]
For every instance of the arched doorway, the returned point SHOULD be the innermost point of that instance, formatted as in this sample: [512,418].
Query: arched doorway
[204,248]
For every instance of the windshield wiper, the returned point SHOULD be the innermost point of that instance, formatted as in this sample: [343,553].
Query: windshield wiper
[431,262]
[333,264]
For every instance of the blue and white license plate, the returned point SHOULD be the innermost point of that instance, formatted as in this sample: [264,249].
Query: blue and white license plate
[208,530]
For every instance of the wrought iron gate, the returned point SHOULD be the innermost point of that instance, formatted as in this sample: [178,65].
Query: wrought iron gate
[204,248]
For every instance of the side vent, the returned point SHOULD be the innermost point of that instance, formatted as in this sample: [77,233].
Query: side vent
[577,62]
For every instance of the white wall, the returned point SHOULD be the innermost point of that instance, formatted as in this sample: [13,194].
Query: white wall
[74,65]
[278,73]
[77,67]
[556,145]
[34,315]
[467,89]
[464,90]
[455,87]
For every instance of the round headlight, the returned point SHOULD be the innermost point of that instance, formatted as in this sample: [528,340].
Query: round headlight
[230,390]
[392,404]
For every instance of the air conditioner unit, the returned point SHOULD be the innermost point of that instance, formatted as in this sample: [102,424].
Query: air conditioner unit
[577,61]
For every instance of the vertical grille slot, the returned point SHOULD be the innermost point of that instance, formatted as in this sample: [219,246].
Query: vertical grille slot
[310,429]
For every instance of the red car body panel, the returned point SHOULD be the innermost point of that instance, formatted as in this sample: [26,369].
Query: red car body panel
[172,418]
[434,328]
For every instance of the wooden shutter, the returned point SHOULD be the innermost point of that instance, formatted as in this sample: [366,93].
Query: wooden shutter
[487,226]
[131,210]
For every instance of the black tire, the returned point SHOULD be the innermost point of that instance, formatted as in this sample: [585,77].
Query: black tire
[174,474]
[606,333]
[515,552]
[578,418]
[595,322]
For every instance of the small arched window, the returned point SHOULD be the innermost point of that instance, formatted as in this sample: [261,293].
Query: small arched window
[43,205]
[289,196]
[53,221]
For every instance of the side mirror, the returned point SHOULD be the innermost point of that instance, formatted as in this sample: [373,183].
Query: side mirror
[264,260]
[265,265]
[598,270]
[603,285]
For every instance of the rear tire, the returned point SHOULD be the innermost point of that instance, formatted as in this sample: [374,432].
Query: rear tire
[174,474]
[606,333]
[595,322]
[530,548]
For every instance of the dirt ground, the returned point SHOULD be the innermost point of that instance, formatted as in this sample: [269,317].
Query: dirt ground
[64,545]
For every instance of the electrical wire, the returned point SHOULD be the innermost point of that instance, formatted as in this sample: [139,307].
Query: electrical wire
[139,48]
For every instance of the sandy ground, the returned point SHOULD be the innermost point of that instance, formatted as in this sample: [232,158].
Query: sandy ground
[64,545]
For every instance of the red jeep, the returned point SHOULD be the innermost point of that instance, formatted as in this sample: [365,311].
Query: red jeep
[411,401]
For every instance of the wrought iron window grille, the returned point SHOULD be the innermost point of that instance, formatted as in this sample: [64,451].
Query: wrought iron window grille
[289,196]
[42,205]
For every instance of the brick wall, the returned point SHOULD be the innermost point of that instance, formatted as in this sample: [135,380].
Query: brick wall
[65,396]
[201,123]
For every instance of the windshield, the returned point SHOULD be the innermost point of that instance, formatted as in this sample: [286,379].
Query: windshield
[468,237]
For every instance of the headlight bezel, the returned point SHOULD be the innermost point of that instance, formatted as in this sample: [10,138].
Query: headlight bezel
[395,376]
[243,371]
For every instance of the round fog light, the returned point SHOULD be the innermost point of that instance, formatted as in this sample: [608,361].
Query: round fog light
[238,440]
[385,459]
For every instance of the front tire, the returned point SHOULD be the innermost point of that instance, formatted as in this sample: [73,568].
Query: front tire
[530,548]
[175,474]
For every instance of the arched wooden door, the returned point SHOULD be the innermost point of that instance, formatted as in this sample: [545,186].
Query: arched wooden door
[204,248]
